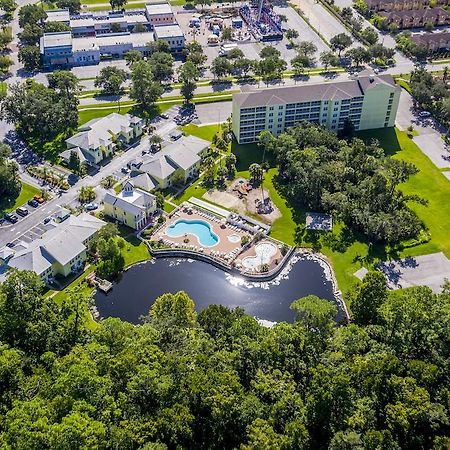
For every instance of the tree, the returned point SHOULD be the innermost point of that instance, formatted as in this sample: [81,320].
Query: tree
[9,174]
[358,55]
[111,259]
[65,83]
[8,6]
[110,80]
[5,38]
[340,42]
[5,63]
[31,14]
[74,162]
[115,27]
[173,310]
[30,34]
[73,6]
[243,66]
[188,72]
[56,27]
[139,28]
[144,88]
[117,4]
[156,139]
[132,57]
[329,59]
[39,112]
[162,65]
[370,35]
[230,164]
[291,34]
[235,53]
[368,298]
[86,194]
[256,173]
[227,34]
[307,49]
[187,91]
[30,57]
[202,3]
[160,46]
[269,52]
[159,201]
[220,67]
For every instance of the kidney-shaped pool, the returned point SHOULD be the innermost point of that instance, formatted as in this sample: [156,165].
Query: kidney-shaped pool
[139,286]
[198,228]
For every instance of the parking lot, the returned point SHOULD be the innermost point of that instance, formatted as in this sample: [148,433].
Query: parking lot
[245,40]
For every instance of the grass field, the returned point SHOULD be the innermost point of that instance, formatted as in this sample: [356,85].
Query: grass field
[26,193]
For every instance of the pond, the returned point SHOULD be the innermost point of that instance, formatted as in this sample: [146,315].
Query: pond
[139,286]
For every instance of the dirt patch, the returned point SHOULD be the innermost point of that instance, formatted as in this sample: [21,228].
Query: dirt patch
[244,199]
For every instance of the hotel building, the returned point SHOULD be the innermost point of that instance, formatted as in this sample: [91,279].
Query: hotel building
[367,102]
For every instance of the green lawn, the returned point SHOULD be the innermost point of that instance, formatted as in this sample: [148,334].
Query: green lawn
[204,132]
[26,193]
[135,250]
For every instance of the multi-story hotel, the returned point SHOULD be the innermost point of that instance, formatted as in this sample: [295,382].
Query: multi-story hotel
[368,102]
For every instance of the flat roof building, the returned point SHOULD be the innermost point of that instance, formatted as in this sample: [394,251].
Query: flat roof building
[159,14]
[367,102]
[58,15]
[172,34]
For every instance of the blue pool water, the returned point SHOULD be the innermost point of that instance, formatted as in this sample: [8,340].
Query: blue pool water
[198,228]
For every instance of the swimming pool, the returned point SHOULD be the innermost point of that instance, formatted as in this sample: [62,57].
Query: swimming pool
[198,228]
[264,253]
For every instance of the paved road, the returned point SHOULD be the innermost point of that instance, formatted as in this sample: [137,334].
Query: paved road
[10,233]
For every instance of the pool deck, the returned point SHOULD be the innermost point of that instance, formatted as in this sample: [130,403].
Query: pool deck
[228,250]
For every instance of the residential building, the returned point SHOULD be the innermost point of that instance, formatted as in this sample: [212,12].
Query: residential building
[59,251]
[180,160]
[159,14]
[402,5]
[132,207]
[172,34]
[97,139]
[433,42]
[368,102]
[417,17]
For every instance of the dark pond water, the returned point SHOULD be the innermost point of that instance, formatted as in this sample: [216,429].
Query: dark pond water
[139,286]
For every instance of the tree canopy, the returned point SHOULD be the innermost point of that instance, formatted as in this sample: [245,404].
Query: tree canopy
[354,180]
[219,380]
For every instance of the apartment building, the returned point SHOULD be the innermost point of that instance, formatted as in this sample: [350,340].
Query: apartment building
[433,42]
[402,5]
[367,102]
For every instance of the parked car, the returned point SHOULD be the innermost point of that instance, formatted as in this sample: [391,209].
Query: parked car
[10,244]
[124,170]
[424,114]
[11,218]
[22,211]
[33,203]
[164,116]
[47,219]
[91,206]
[39,199]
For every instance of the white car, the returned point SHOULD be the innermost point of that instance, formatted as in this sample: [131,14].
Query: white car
[424,114]
[91,206]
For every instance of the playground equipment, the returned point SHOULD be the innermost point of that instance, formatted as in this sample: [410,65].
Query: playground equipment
[261,20]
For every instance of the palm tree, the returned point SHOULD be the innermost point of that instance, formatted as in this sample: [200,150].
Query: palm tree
[256,172]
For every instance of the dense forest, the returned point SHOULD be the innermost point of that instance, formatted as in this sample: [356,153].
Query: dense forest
[355,181]
[218,380]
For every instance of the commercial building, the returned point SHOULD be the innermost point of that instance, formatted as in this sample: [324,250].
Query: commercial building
[179,161]
[367,102]
[59,251]
[97,139]
[172,34]
[132,207]
[61,49]
[58,15]
[159,14]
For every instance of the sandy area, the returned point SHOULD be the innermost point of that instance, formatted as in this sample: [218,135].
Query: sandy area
[244,203]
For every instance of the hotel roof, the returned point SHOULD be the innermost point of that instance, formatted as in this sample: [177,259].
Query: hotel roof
[339,90]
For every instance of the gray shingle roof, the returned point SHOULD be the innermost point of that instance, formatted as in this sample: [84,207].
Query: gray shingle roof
[339,90]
